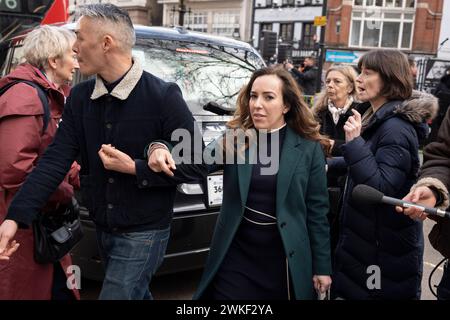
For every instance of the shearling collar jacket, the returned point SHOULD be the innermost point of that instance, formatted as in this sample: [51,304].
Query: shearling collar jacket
[123,88]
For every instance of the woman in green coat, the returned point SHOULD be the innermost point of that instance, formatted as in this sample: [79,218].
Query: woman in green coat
[272,236]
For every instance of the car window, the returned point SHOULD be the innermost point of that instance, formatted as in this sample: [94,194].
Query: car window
[12,58]
[204,72]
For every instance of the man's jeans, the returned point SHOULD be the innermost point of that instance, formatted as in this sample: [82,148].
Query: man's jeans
[130,261]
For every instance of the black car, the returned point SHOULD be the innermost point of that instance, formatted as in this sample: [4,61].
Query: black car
[210,71]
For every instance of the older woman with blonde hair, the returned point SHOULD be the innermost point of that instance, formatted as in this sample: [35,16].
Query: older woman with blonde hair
[335,102]
[332,109]
[27,126]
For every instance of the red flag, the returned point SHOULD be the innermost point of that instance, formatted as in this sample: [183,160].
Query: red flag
[58,12]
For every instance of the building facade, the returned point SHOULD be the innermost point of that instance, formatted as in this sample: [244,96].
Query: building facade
[230,18]
[355,26]
[444,39]
[145,12]
[292,20]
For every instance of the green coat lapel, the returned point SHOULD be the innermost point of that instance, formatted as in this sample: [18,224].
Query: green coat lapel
[288,162]
[244,177]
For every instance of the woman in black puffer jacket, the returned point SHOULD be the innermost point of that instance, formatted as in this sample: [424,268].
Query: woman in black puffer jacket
[379,252]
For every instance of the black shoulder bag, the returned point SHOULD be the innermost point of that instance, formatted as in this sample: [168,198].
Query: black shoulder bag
[56,233]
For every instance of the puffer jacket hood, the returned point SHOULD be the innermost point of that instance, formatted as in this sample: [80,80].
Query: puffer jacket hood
[418,110]
[422,107]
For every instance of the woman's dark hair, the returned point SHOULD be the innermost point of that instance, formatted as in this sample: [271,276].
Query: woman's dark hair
[299,117]
[394,70]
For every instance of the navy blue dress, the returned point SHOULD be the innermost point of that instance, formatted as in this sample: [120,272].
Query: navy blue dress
[255,266]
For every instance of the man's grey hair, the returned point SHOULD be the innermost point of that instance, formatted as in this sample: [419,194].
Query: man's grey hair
[121,25]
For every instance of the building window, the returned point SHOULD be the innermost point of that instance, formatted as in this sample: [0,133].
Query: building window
[382,23]
[286,3]
[308,35]
[286,31]
[266,27]
[385,3]
[197,21]
[224,23]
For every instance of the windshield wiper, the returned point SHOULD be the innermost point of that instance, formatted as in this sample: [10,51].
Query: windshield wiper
[218,109]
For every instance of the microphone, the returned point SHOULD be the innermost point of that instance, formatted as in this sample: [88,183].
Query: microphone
[364,194]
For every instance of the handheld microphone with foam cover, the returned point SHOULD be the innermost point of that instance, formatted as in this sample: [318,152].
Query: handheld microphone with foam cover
[364,194]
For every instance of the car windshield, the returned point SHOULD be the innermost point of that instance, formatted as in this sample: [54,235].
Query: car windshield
[204,72]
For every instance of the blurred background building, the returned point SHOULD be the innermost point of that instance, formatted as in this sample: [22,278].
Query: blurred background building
[145,12]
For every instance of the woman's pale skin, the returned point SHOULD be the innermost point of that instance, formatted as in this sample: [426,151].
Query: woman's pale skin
[60,70]
[266,104]
[369,86]
[338,89]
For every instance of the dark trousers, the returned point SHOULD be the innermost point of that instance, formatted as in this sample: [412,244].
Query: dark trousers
[59,288]
[443,289]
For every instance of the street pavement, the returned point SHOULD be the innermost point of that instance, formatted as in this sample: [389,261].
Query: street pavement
[181,286]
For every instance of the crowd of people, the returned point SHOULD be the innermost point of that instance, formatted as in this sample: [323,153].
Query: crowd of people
[295,233]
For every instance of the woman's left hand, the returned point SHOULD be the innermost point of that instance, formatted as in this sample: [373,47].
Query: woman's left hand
[321,283]
[116,160]
[352,127]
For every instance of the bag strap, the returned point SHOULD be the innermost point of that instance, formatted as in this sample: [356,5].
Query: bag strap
[42,96]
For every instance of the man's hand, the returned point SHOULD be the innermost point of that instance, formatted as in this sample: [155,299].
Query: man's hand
[288,66]
[116,160]
[161,160]
[321,283]
[422,196]
[8,246]
[352,127]
[332,143]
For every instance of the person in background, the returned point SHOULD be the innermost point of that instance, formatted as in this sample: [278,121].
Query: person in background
[107,121]
[272,236]
[50,64]
[332,109]
[379,252]
[431,190]
[442,92]
[414,70]
[306,75]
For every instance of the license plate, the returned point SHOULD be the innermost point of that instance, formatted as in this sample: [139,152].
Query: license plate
[215,190]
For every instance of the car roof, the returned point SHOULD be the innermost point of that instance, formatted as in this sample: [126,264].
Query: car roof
[176,34]
[182,34]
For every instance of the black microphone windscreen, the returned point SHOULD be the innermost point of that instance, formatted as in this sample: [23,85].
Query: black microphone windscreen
[364,194]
